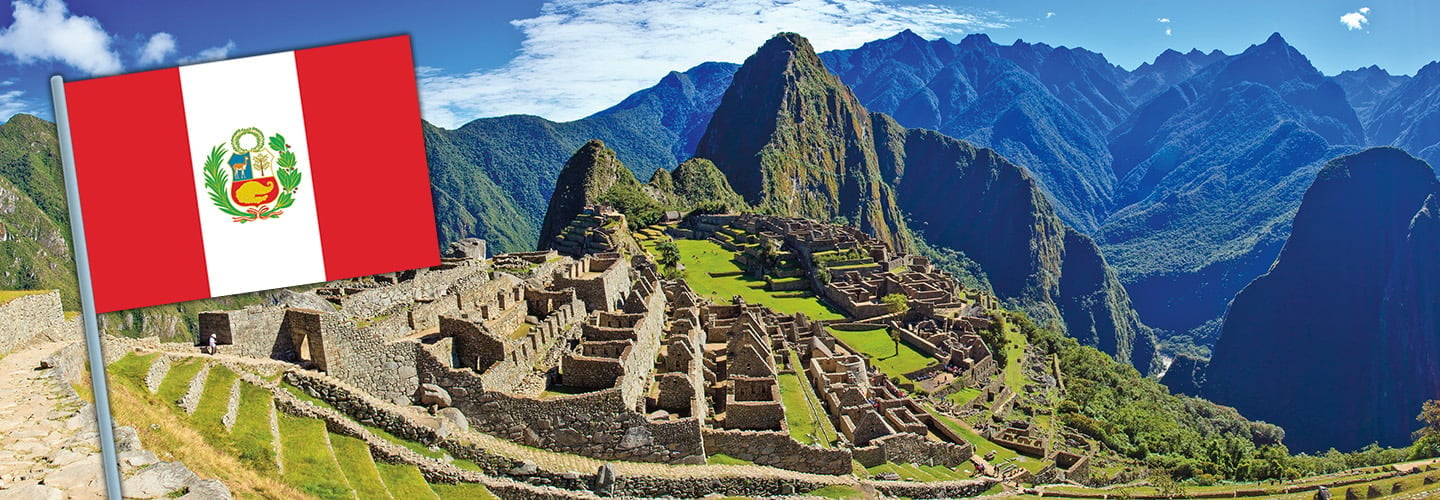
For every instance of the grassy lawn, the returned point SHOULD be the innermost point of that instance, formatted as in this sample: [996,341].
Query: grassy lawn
[963,396]
[800,410]
[837,491]
[213,403]
[405,481]
[251,434]
[881,350]
[359,468]
[309,463]
[915,472]
[463,490]
[1014,353]
[702,257]
[984,446]
[8,295]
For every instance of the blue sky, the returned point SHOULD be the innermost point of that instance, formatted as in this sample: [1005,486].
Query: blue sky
[565,59]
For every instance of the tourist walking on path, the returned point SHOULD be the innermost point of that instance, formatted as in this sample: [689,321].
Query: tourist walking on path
[210,345]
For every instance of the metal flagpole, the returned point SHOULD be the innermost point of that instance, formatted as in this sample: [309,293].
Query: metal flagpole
[105,425]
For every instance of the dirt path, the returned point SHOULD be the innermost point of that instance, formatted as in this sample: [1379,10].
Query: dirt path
[48,443]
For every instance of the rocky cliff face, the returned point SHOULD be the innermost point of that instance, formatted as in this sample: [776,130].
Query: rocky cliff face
[34,227]
[974,200]
[794,140]
[1340,342]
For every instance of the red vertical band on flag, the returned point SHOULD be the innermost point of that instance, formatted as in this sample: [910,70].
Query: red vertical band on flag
[367,156]
[137,191]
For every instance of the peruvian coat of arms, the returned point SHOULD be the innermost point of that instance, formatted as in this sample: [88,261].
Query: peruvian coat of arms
[249,183]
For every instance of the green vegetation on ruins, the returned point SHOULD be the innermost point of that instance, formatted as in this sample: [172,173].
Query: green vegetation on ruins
[876,345]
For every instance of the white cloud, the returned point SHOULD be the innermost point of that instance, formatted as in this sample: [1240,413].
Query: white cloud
[1356,20]
[44,30]
[1167,31]
[13,102]
[160,46]
[211,54]
[1163,19]
[1049,15]
[580,56]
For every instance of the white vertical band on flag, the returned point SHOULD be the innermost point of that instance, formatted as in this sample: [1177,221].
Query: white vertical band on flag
[221,98]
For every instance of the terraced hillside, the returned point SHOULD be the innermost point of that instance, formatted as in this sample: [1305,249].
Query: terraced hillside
[225,420]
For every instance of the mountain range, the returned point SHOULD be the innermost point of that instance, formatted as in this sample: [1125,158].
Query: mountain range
[793,140]
[1099,199]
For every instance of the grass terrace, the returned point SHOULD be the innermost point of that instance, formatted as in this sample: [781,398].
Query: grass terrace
[924,473]
[984,446]
[876,344]
[317,463]
[804,414]
[701,258]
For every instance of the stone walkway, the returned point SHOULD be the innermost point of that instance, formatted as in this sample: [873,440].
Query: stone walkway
[49,448]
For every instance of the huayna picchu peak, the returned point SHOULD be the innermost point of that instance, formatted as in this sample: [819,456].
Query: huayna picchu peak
[793,140]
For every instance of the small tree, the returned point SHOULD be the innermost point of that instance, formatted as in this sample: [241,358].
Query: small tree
[669,254]
[1427,439]
[896,303]
[895,337]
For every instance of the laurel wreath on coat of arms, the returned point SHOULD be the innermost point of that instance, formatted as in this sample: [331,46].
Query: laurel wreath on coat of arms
[250,198]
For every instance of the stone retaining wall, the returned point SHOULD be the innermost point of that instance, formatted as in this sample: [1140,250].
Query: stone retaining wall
[28,317]
[434,470]
[777,449]
[907,448]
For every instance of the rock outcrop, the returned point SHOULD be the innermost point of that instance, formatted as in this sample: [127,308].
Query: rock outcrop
[1340,342]
[793,139]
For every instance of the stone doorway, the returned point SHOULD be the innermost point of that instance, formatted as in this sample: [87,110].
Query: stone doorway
[304,331]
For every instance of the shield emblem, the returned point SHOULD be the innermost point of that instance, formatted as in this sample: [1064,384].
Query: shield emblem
[255,192]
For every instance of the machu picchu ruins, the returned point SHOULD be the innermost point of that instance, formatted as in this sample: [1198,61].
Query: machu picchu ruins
[587,350]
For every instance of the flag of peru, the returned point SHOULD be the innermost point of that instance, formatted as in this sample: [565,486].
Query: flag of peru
[251,174]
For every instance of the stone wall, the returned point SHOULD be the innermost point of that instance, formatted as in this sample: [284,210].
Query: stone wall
[600,282]
[25,318]
[754,415]
[391,299]
[598,424]
[778,449]
[640,365]
[908,448]
[385,370]
[252,332]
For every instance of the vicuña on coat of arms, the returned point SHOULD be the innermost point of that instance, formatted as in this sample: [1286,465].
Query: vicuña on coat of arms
[249,183]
